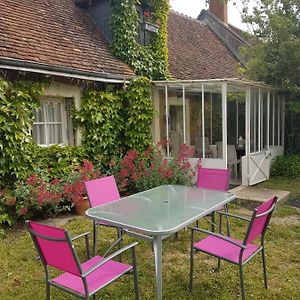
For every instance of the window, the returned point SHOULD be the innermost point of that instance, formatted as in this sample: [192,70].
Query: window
[49,126]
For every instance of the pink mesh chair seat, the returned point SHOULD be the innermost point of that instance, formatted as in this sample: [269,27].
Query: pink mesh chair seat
[83,280]
[101,191]
[237,251]
[96,280]
[224,249]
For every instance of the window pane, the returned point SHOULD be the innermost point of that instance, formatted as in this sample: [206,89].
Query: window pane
[271,119]
[57,112]
[54,134]
[195,123]
[38,132]
[48,132]
[39,114]
[175,121]
[264,126]
[254,121]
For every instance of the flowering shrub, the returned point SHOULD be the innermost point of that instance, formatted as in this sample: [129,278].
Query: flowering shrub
[73,188]
[138,172]
[39,197]
[33,198]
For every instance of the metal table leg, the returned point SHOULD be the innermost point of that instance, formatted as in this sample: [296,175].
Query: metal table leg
[157,246]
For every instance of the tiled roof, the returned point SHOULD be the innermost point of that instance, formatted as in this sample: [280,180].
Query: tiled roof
[55,33]
[195,52]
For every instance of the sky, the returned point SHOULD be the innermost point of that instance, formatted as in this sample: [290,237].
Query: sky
[192,8]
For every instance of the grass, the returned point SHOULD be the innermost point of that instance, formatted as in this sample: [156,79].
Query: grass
[22,277]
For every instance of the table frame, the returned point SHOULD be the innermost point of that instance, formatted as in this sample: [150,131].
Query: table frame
[158,238]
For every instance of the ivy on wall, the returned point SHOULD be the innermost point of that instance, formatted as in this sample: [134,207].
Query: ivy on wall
[101,122]
[139,114]
[112,122]
[18,102]
[150,60]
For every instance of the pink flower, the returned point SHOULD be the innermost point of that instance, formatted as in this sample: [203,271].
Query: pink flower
[123,173]
[55,181]
[32,180]
[88,166]
[112,163]
[23,211]
[11,201]
[134,176]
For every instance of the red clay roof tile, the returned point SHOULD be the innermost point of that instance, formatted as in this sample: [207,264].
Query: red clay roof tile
[195,52]
[56,33]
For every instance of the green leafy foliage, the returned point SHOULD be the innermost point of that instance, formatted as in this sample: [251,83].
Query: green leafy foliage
[18,102]
[150,60]
[286,166]
[139,114]
[56,161]
[275,57]
[101,121]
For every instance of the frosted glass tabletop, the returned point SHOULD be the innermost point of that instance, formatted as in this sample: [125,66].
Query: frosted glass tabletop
[162,210]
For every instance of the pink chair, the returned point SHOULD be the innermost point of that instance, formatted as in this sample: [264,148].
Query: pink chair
[215,179]
[101,191]
[55,249]
[235,251]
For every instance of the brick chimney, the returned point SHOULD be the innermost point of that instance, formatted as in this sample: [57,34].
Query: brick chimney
[219,9]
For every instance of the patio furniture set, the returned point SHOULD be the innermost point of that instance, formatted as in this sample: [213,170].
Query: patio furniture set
[151,215]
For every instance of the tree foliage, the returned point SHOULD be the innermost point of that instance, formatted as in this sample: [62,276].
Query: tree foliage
[275,57]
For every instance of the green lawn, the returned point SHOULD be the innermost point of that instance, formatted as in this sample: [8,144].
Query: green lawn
[22,277]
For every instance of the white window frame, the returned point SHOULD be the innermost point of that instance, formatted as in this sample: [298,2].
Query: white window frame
[63,122]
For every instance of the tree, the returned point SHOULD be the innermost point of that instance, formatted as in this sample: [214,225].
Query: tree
[275,56]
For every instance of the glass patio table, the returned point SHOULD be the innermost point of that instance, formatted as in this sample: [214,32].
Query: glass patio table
[160,212]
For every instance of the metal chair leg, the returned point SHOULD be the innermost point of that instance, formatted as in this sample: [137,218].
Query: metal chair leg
[47,291]
[220,231]
[191,262]
[242,282]
[264,267]
[119,234]
[136,283]
[94,238]
[213,220]
[227,220]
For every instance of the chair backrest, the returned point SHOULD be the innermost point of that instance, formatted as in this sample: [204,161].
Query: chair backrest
[260,220]
[55,247]
[214,179]
[231,153]
[102,190]
[199,143]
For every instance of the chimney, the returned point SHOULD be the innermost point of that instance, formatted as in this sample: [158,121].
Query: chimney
[219,9]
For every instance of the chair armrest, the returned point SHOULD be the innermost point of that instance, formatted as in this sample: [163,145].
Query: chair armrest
[233,216]
[80,235]
[108,258]
[222,237]
[87,244]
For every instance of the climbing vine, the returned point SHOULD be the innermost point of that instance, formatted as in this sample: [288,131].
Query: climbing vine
[139,114]
[150,60]
[113,122]
[100,118]
[18,102]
